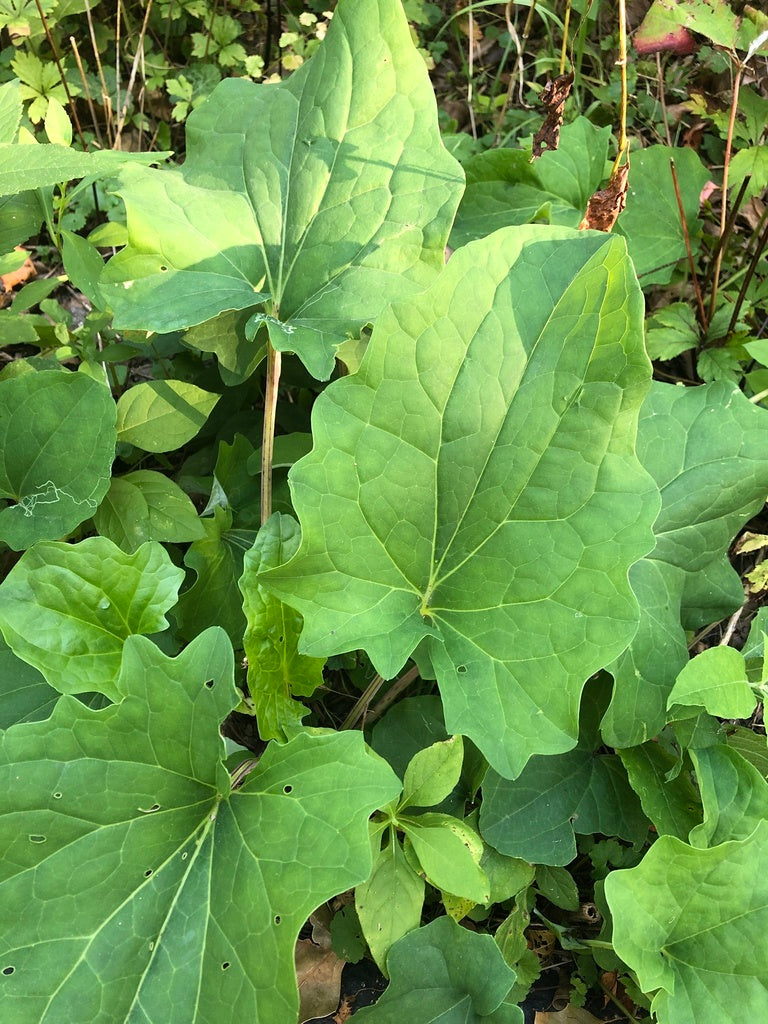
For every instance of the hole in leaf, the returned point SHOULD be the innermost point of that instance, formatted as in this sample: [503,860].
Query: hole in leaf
[149,810]
[277,919]
[287,789]
[184,855]
[461,669]
[9,970]
[209,684]
[281,639]
[163,269]
[225,965]
[148,872]
[57,796]
[37,839]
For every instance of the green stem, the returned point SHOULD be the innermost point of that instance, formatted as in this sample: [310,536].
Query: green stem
[274,360]
[724,190]
[362,702]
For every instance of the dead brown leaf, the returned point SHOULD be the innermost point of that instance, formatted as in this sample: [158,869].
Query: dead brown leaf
[553,97]
[318,972]
[607,203]
[10,281]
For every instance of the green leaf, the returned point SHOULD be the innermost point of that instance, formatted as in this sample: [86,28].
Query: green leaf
[506,187]
[692,923]
[751,746]
[535,816]
[669,800]
[10,110]
[432,773]
[705,448]
[454,439]
[444,973]
[329,194]
[35,166]
[24,694]
[449,851]
[67,609]
[651,220]
[715,680]
[558,886]
[143,506]
[389,903]
[141,859]
[276,670]
[734,794]
[224,335]
[214,598]
[162,415]
[409,726]
[670,331]
[57,436]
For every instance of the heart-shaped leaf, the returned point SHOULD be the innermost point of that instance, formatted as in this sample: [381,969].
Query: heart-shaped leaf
[445,973]
[692,923]
[159,892]
[434,503]
[67,609]
[57,435]
[326,194]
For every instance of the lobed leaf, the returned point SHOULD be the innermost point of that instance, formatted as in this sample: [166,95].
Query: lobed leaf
[692,923]
[328,194]
[67,609]
[161,894]
[434,504]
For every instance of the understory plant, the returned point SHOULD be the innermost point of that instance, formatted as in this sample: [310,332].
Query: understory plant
[417,533]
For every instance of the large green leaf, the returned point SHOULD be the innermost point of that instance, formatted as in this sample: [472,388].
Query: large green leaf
[734,794]
[34,166]
[67,609]
[57,436]
[159,894]
[504,186]
[143,506]
[327,194]
[692,923]
[476,483]
[445,973]
[161,415]
[706,449]
[651,221]
[535,816]
[217,560]
[667,794]
[276,670]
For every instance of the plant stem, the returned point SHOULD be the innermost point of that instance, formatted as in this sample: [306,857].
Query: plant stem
[622,63]
[393,693]
[761,244]
[62,76]
[362,702]
[689,253]
[564,47]
[724,189]
[274,362]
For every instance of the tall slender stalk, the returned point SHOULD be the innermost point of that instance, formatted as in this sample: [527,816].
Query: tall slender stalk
[274,362]
[724,190]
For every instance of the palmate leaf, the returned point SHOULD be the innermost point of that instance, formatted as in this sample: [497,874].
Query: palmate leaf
[705,447]
[476,483]
[692,923]
[160,895]
[328,194]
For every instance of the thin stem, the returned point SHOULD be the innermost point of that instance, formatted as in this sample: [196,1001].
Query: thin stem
[62,76]
[761,244]
[724,190]
[622,1009]
[393,693]
[729,629]
[722,239]
[106,99]
[622,63]
[274,362]
[362,702]
[663,100]
[132,76]
[86,90]
[564,47]
[689,253]
[759,396]
[470,73]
